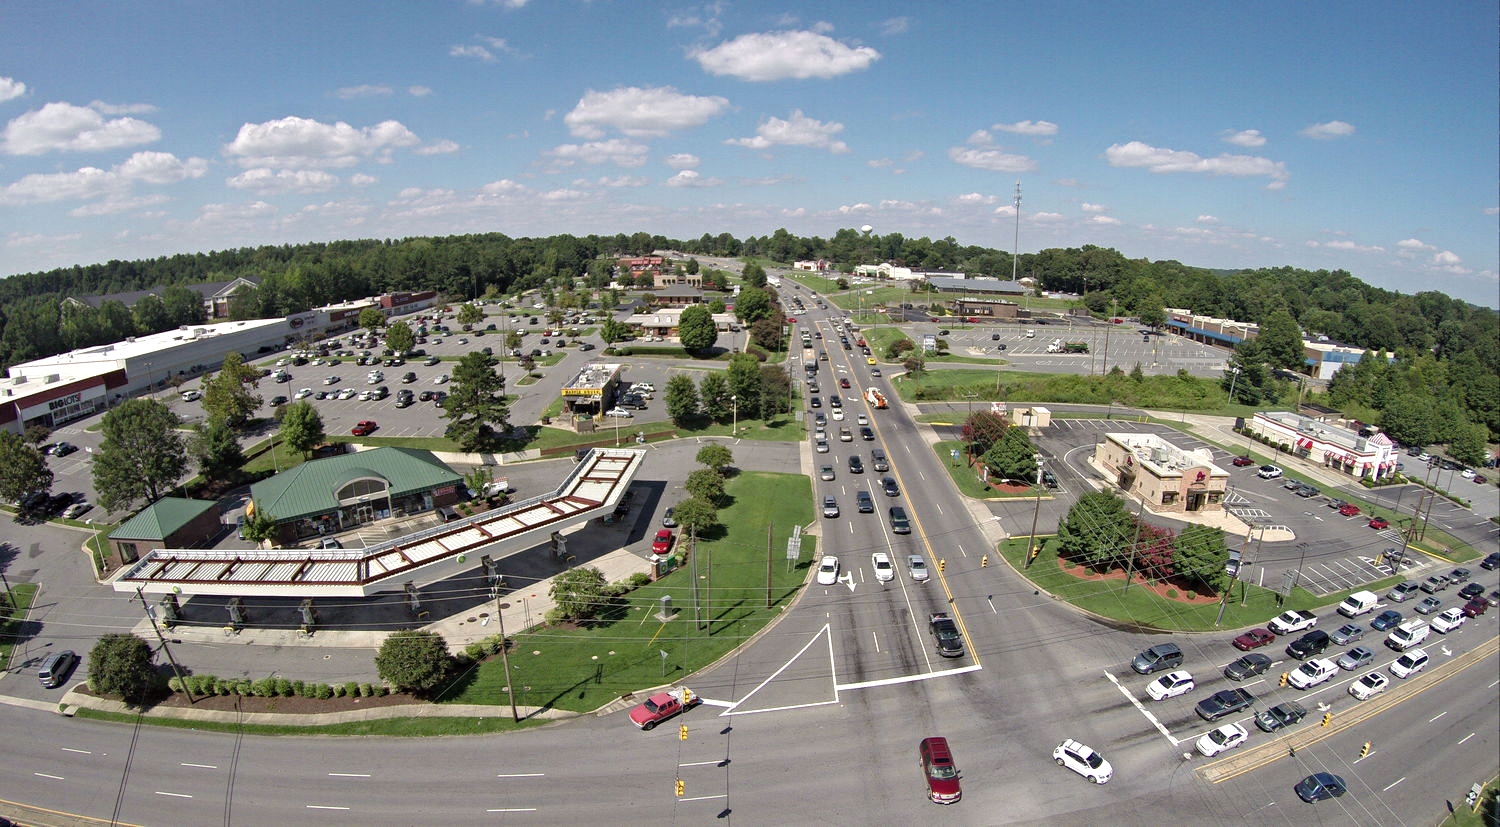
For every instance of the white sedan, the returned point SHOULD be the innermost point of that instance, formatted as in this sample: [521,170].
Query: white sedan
[838,414]
[1084,761]
[1170,685]
[303,393]
[347,393]
[828,571]
[1223,739]
[884,571]
[440,379]
[1369,686]
[619,412]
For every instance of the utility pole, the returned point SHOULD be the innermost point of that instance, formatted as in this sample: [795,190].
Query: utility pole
[769,530]
[505,652]
[186,690]
[1134,544]
[693,555]
[1114,306]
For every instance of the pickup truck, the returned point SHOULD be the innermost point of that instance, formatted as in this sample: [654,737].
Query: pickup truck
[1293,621]
[950,644]
[663,705]
[875,398]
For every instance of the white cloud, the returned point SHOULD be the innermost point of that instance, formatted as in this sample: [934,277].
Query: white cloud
[563,195]
[852,209]
[1346,246]
[706,18]
[1206,219]
[91,182]
[362,91]
[266,181]
[784,55]
[443,147]
[1048,217]
[476,52]
[798,130]
[1249,138]
[1328,131]
[682,160]
[880,163]
[614,151]
[359,179]
[1107,220]
[1043,128]
[1492,210]
[618,181]
[419,91]
[994,160]
[1159,160]
[980,137]
[112,206]
[1414,245]
[895,26]
[976,198]
[691,178]
[121,108]
[10,88]
[1093,208]
[641,112]
[211,215]
[63,127]
[296,143]
[504,186]
[1446,259]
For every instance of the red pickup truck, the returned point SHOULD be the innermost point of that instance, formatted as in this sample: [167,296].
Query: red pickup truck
[663,705]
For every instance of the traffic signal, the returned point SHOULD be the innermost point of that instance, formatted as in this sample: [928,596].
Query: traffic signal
[942,564]
[1284,677]
[682,733]
[687,696]
[1327,718]
[681,788]
[1035,550]
[984,562]
[1365,750]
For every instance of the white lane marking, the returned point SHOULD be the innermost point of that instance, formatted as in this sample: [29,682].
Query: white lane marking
[908,678]
[79,751]
[199,766]
[324,807]
[703,763]
[45,775]
[349,775]
[511,810]
[1466,737]
[703,798]
[1394,783]
[875,637]
[173,795]
[1437,716]
[1138,705]
[523,775]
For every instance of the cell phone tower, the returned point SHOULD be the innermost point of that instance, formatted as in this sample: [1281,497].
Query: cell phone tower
[1015,249]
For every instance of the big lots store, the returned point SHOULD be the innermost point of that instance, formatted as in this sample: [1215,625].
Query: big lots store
[54,400]
[1338,448]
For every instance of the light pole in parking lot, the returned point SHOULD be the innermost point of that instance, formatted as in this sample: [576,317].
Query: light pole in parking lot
[1232,379]
[734,402]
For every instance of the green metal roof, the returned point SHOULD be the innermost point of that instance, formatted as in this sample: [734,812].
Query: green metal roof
[310,489]
[161,519]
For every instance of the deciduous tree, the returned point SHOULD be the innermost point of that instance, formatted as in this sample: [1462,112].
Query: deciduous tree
[1200,555]
[682,399]
[579,593]
[716,457]
[230,394]
[705,484]
[120,664]
[142,455]
[23,469]
[414,661]
[302,427]
[399,337]
[696,515]
[1095,531]
[696,329]
[216,450]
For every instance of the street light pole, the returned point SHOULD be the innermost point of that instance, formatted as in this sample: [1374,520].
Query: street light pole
[1031,546]
[1232,379]
[734,402]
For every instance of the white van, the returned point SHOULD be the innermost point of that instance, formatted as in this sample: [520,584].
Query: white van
[1357,604]
[1409,634]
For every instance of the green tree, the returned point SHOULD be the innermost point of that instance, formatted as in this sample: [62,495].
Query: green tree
[371,319]
[476,409]
[743,376]
[469,314]
[753,305]
[414,661]
[229,395]
[400,338]
[1467,442]
[717,306]
[713,396]
[696,515]
[775,391]
[302,427]
[1280,341]
[142,455]
[260,526]
[705,484]
[1095,531]
[715,457]
[982,429]
[767,333]
[23,468]
[696,329]
[755,275]
[1013,457]
[216,450]
[1250,384]
[120,664]
[579,593]
[1201,556]
[1407,418]
[682,399]
[610,331]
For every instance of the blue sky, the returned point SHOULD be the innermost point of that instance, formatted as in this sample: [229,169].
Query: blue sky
[1359,136]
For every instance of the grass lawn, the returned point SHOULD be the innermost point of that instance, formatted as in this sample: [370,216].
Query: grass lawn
[1489,808]
[583,668]
[1248,605]
[967,479]
[21,596]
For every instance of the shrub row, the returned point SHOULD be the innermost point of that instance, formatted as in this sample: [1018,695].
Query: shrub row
[204,685]
[481,649]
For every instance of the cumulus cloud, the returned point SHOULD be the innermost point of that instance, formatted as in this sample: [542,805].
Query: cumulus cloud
[1107,220]
[1093,208]
[1447,259]
[471,50]
[359,179]
[798,130]
[443,147]
[1161,160]
[1035,128]
[1249,138]
[364,90]
[976,198]
[994,160]
[299,143]
[266,181]
[1206,219]
[617,181]
[641,112]
[419,91]
[691,178]
[91,182]
[1414,245]
[615,151]
[791,55]
[63,127]
[1328,131]
[1347,246]
[11,88]
[682,160]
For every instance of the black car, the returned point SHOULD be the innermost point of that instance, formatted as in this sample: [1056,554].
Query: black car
[408,377]
[891,489]
[1312,643]
[1247,666]
[867,434]
[1280,715]
[856,465]
[1320,785]
[1388,619]
[278,400]
[1471,591]
[816,401]
[1455,576]
[1224,702]
[864,502]
[1491,562]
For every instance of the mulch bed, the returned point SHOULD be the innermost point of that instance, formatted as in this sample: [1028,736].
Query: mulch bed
[1159,589]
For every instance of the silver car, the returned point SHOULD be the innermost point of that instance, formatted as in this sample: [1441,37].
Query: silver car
[916,567]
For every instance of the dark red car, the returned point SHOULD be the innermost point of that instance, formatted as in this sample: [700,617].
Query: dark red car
[1379,523]
[844,382]
[1254,639]
[939,771]
[364,427]
[1476,607]
[1348,509]
[663,542]
[1243,461]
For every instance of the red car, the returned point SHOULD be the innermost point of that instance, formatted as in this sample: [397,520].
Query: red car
[1476,607]
[1379,523]
[1243,461]
[1253,639]
[663,542]
[791,319]
[364,427]
[939,771]
[1348,509]
[844,382]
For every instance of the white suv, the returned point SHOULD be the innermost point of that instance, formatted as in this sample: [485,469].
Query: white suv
[1269,472]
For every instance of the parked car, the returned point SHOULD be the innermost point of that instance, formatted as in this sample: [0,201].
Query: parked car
[663,542]
[1243,461]
[1379,523]
[1349,510]
[1269,472]
[364,427]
